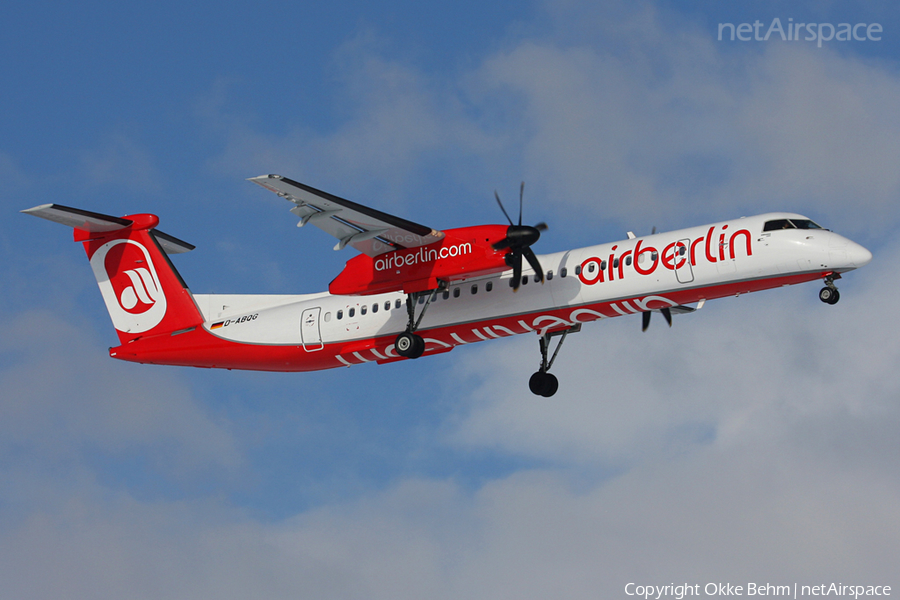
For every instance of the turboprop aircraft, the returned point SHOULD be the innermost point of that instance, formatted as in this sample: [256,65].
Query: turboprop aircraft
[414,290]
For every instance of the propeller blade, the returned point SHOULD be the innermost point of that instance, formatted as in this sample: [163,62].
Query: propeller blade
[504,243]
[497,196]
[667,314]
[521,195]
[517,270]
[542,226]
[533,261]
[645,316]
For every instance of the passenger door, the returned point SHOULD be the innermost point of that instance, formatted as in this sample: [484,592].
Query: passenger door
[683,271]
[310,334]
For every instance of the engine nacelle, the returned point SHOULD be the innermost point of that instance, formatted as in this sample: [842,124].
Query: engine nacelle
[461,254]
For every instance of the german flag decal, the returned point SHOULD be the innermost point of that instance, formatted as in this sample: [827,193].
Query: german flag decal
[217,325]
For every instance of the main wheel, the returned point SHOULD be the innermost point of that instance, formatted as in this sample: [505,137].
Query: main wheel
[409,345]
[829,295]
[543,384]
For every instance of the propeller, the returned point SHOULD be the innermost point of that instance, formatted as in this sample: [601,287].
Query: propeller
[519,239]
[646,317]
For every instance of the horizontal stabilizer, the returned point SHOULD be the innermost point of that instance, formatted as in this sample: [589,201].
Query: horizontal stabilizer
[94,223]
[171,244]
[77,218]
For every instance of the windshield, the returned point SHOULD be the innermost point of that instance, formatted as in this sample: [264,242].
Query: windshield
[790,224]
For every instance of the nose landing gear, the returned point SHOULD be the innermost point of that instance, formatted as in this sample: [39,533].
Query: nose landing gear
[830,294]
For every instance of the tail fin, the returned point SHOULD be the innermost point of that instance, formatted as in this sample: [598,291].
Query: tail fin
[143,291]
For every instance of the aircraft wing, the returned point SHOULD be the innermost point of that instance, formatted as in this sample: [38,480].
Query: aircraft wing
[370,231]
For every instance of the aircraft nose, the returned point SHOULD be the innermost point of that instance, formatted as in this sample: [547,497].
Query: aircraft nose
[859,256]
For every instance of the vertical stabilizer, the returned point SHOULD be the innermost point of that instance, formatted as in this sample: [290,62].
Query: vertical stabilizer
[143,291]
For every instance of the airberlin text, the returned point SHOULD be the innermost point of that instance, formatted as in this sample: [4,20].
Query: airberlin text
[400,258]
[674,257]
[680,591]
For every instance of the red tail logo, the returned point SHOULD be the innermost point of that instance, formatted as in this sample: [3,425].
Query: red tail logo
[130,285]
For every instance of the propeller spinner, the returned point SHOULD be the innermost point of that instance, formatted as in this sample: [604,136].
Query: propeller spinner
[519,239]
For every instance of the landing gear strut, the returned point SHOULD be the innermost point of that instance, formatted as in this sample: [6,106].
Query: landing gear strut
[543,383]
[408,344]
[830,294]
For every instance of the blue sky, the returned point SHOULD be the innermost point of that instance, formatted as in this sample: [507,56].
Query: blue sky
[753,440]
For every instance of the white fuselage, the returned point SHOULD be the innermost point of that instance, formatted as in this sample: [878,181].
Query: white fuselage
[673,268]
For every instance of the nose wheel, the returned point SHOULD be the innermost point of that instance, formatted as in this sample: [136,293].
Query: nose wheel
[829,295]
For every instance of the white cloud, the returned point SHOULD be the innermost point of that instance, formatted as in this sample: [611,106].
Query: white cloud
[60,400]
[671,122]
[620,113]
[739,368]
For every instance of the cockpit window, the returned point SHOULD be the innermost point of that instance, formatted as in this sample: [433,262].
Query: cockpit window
[805,224]
[790,224]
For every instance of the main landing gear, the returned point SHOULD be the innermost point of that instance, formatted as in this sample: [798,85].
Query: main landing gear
[543,383]
[830,294]
[409,344]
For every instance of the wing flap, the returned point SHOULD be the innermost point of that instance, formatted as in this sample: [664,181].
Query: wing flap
[370,231]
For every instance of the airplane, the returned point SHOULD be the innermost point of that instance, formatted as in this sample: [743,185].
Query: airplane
[414,291]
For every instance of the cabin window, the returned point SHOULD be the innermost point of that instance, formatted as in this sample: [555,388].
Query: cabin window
[524,279]
[474,288]
[563,272]
[603,265]
[489,286]
[446,294]
[654,256]
[387,305]
[327,317]
[397,303]
[549,275]
[578,270]
[375,308]
[628,260]
[340,315]
[537,278]
[351,312]
[682,250]
[456,292]
[363,309]
[616,264]
[421,299]
[591,268]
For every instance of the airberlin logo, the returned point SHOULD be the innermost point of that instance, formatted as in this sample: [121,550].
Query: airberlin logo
[398,259]
[677,256]
[141,295]
[130,285]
